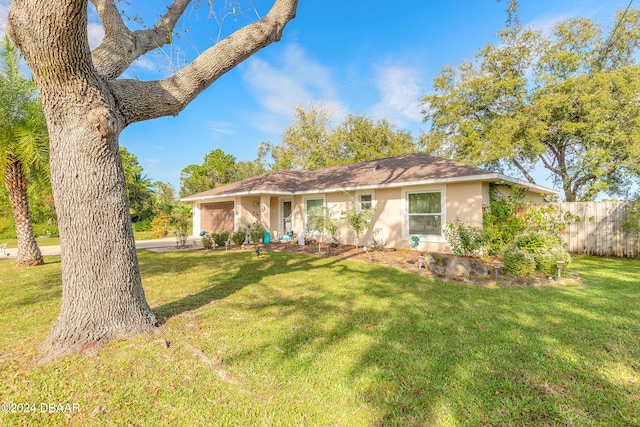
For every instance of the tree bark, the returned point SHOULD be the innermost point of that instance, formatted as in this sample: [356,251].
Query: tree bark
[16,183]
[86,110]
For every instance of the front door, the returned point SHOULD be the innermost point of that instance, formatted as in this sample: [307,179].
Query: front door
[287,224]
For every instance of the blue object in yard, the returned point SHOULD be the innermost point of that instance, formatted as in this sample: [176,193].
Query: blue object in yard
[266,239]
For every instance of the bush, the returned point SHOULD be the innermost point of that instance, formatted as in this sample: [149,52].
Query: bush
[206,239]
[465,240]
[256,233]
[239,236]
[518,262]
[48,230]
[142,226]
[545,247]
[160,225]
[221,237]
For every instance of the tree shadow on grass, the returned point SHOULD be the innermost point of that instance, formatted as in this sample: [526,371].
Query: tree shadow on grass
[437,353]
[231,272]
[451,354]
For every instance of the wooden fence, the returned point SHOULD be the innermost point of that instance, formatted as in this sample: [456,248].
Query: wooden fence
[599,230]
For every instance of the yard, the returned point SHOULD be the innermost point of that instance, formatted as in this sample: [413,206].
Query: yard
[291,339]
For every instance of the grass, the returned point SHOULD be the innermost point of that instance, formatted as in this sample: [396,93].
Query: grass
[287,339]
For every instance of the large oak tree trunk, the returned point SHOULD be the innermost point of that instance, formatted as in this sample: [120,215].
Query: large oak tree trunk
[86,109]
[102,296]
[102,291]
[16,183]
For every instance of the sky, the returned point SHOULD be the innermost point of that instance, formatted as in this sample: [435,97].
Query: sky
[375,58]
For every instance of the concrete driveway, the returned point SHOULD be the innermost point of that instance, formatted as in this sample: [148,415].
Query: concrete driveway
[167,242]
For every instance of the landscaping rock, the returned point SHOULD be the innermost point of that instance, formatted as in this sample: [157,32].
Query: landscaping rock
[453,266]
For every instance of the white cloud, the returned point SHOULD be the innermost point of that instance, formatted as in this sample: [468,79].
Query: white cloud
[400,90]
[4,13]
[296,80]
[95,33]
[217,128]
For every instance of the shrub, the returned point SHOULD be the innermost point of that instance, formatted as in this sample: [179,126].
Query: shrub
[160,225]
[508,216]
[221,237]
[377,243]
[142,226]
[545,247]
[518,262]
[48,230]
[239,236]
[546,259]
[206,239]
[256,233]
[465,240]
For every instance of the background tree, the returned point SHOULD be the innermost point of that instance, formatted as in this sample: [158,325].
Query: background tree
[311,142]
[567,101]
[139,190]
[164,198]
[307,143]
[23,148]
[363,139]
[86,108]
[247,169]
[217,169]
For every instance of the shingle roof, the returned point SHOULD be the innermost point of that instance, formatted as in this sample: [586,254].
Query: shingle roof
[409,168]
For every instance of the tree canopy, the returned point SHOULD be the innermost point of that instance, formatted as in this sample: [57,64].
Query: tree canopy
[312,142]
[218,168]
[567,100]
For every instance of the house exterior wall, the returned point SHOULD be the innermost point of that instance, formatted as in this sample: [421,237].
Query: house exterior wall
[248,212]
[458,200]
[463,200]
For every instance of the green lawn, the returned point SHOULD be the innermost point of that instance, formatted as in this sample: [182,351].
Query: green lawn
[292,340]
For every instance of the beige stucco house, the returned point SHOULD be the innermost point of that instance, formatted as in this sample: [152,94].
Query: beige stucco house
[413,195]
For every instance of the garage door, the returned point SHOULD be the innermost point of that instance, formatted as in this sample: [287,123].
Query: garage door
[214,216]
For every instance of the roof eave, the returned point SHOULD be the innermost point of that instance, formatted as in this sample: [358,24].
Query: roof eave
[490,177]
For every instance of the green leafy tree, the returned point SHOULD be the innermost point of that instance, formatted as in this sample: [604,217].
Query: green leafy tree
[23,148]
[567,101]
[164,198]
[310,141]
[181,220]
[307,142]
[364,139]
[139,190]
[326,221]
[217,169]
[358,220]
[247,169]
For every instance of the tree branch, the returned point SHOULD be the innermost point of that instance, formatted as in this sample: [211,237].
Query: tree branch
[120,46]
[139,100]
[524,171]
[548,165]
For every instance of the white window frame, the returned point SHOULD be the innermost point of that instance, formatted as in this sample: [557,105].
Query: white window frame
[405,213]
[359,194]
[304,209]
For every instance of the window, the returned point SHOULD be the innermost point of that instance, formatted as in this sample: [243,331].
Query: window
[365,202]
[313,208]
[425,213]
